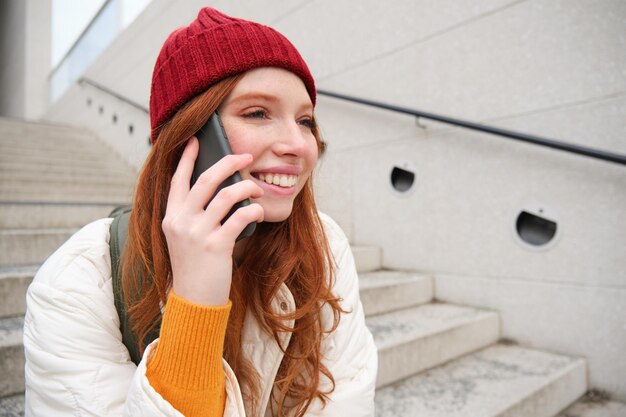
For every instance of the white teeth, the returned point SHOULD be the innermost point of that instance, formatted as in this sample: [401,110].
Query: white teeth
[279,179]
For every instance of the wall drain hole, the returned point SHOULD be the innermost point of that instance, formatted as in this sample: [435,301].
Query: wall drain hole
[535,230]
[401,179]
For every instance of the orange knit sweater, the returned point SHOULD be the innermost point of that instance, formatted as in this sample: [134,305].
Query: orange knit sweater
[186,368]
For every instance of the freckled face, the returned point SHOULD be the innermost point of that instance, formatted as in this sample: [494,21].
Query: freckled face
[269,115]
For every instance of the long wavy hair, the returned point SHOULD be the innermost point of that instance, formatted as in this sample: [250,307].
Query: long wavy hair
[305,265]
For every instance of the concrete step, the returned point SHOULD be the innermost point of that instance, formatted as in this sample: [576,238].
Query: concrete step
[11,356]
[76,186]
[74,198]
[18,169]
[367,258]
[50,215]
[12,406]
[414,339]
[78,157]
[499,381]
[32,148]
[593,405]
[409,341]
[41,159]
[381,292]
[50,139]
[13,284]
[100,167]
[26,180]
[22,247]
[69,192]
[23,191]
[41,133]
[385,291]
[86,146]
[44,132]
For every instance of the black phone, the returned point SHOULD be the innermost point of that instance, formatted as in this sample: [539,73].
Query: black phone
[213,147]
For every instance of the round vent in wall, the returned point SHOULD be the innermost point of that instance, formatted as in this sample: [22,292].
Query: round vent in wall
[402,177]
[536,227]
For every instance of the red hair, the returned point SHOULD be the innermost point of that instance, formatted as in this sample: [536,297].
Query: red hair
[305,266]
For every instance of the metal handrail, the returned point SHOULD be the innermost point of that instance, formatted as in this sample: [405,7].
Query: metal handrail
[524,137]
[536,140]
[84,80]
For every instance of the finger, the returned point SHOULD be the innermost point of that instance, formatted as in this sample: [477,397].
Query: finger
[227,197]
[235,224]
[179,187]
[207,183]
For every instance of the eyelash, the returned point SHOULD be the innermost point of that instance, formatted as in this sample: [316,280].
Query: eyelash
[309,123]
[262,114]
[256,114]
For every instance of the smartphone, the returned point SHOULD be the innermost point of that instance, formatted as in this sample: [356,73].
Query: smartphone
[213,147]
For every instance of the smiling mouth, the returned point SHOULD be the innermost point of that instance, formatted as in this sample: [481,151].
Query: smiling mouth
[281,180]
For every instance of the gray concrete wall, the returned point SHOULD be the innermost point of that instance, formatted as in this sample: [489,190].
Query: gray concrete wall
[38,50]
[25,47]
[555,68]
[550,68]
[12,57]
[120,125]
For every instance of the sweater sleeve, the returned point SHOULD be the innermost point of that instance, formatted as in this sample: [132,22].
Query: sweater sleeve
[76,363]
[186,368]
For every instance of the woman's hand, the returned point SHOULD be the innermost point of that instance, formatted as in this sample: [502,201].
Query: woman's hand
[200,247]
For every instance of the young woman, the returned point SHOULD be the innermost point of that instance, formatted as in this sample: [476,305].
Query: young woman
[268,325]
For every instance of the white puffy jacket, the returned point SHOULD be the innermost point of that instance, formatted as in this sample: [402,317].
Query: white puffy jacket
[77,365]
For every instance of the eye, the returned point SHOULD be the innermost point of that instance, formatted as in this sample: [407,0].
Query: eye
[256,114]
[308,122]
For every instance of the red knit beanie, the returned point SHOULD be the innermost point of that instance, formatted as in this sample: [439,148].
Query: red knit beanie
[211,48]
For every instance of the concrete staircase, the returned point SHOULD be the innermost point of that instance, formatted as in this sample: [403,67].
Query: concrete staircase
[53,180]
[438,359]
[435,359]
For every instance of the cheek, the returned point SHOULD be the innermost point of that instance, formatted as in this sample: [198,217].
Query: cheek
[312,155]
[240,142]
[310,161]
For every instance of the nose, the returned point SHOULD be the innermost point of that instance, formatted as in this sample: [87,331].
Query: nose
[293,139]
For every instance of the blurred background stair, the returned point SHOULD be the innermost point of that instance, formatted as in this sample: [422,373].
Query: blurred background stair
[53,180]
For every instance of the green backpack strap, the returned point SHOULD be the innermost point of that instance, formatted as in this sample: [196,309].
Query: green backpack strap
[119,233]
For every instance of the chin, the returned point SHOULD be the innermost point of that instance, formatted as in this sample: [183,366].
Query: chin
[273,214]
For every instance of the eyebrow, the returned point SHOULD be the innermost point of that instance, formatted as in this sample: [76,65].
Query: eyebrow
[255,95]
